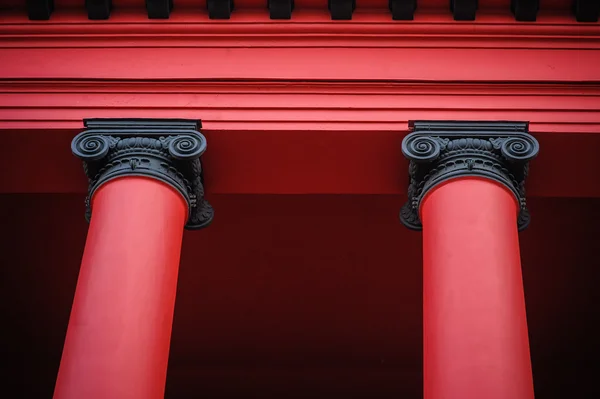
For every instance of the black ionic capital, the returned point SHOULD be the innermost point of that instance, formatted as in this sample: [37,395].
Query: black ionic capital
[168,150]
[443,150]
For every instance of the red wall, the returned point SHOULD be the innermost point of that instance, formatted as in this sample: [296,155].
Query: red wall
[316,291]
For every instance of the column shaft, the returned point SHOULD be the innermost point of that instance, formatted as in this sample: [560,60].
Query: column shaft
[475,329]
[117,343]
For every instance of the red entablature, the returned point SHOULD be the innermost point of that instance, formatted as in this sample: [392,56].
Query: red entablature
[337,93]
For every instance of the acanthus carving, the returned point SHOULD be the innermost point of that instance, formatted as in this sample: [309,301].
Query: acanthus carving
[167,150]
[439,151]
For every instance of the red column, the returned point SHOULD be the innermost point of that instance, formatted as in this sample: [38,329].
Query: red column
[117,343]
[475,329]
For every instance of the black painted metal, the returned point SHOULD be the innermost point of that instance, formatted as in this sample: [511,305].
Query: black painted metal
[341,9]
[402,9]
[98,9]
[443,150]
[586,10]
[525,10]
[220,9]
[40,10]
[464,10]
[280,9]
[168,150]
[159,9]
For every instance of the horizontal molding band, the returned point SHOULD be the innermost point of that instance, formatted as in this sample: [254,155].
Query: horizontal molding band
[370,30]
[591,129]
[292,105]
[338,64]
[176,86]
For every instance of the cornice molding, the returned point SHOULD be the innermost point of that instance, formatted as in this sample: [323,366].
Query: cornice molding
[168,150]
[370,30]
[174,86]
[439,151]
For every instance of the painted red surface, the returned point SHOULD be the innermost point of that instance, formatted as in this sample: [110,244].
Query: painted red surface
[293,105]
[408,64]
[475,342]
[300,295]
[303,106]
[118,339]
[307,106]
[297,162]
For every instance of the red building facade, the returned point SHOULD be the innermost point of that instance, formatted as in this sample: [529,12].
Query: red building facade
[287,138]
